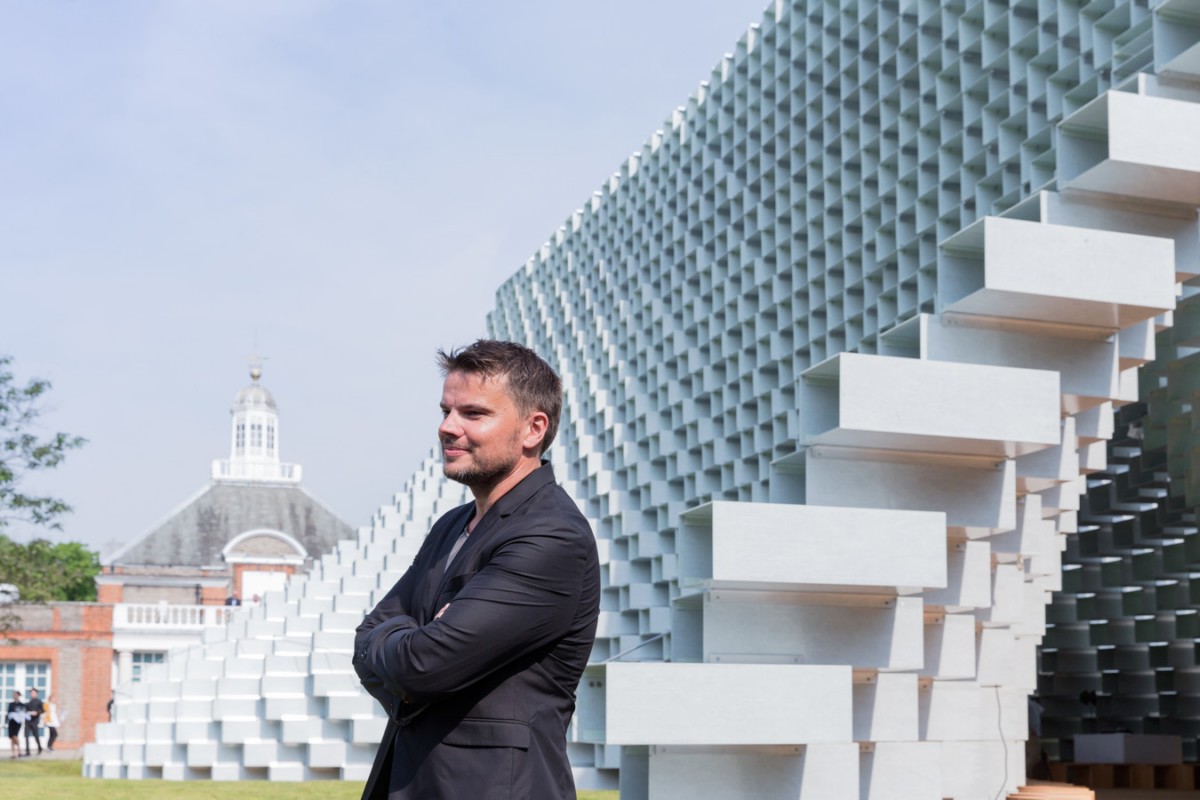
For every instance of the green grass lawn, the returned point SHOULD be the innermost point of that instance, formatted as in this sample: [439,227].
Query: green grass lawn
[33,779]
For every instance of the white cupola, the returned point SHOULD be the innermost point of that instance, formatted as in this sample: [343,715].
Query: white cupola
[254,439]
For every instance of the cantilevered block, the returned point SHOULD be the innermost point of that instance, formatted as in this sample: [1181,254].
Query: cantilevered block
[1054,465]
[983,769]
[901,771]
[977,495]
[201,753]
[264,753]
[949,646]
[367,731]
[810,772]
[234,708]
[1131,144]
[1008,597]
[968,577]
[1135,344]
[721,704]
[1115,213]
[1003,712]
[1095,425]
[997,654]
[1032,536]
[229,771]
[891,403]
[1057,274]
[949,710]
[326,753]
[334,683]
[159,754]
[885,707]
[350,706]
[819,548]
[240,731]
[731,626]
[1086,360]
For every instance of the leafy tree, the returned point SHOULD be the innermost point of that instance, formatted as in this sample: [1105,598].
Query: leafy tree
[23,451]
[45,571]
[40,569]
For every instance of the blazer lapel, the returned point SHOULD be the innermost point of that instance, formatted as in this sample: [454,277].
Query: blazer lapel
[502,508]
[430,585]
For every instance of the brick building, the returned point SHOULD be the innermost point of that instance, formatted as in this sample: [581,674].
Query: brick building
[63,650]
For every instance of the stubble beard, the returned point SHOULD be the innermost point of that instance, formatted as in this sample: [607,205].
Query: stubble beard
[479,476]
[484,473]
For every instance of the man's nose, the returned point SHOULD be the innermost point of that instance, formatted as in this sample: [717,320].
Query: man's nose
[449,429]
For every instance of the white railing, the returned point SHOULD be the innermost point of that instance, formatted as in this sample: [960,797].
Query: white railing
[163,616]
[272,471]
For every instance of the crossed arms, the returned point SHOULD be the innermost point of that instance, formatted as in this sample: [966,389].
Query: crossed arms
[523,598]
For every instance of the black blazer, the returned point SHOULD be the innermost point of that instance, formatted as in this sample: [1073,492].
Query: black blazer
[479,700]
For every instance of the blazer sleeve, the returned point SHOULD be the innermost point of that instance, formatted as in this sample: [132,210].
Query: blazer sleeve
[395,606]
[522,599]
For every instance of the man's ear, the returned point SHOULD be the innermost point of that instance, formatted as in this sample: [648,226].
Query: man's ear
[536,425]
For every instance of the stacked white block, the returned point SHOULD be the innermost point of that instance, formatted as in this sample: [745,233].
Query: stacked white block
[778,583]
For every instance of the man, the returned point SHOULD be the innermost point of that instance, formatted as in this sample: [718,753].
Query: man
[33,708]
[233,600]
[476,652]
[16,718]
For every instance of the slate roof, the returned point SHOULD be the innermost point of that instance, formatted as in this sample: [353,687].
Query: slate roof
[196,534]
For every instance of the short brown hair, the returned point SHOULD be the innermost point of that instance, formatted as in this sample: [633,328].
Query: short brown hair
[532,383]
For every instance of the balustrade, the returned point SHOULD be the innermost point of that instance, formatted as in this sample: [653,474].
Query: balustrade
[164,615]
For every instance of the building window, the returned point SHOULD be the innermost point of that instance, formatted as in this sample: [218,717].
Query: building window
[22,676]
[239,442]
[255,435]
[270,439]
[140,660]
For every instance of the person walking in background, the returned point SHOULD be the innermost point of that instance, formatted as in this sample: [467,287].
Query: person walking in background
[51,721]
[233,600]
[16,717]
[33,720]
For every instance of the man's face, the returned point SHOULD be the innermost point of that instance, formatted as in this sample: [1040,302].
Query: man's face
[481,432]
[33,694]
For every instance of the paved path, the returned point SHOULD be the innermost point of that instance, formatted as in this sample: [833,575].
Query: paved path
[58,754]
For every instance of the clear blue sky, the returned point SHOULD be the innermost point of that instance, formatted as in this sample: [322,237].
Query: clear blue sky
[346,183]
